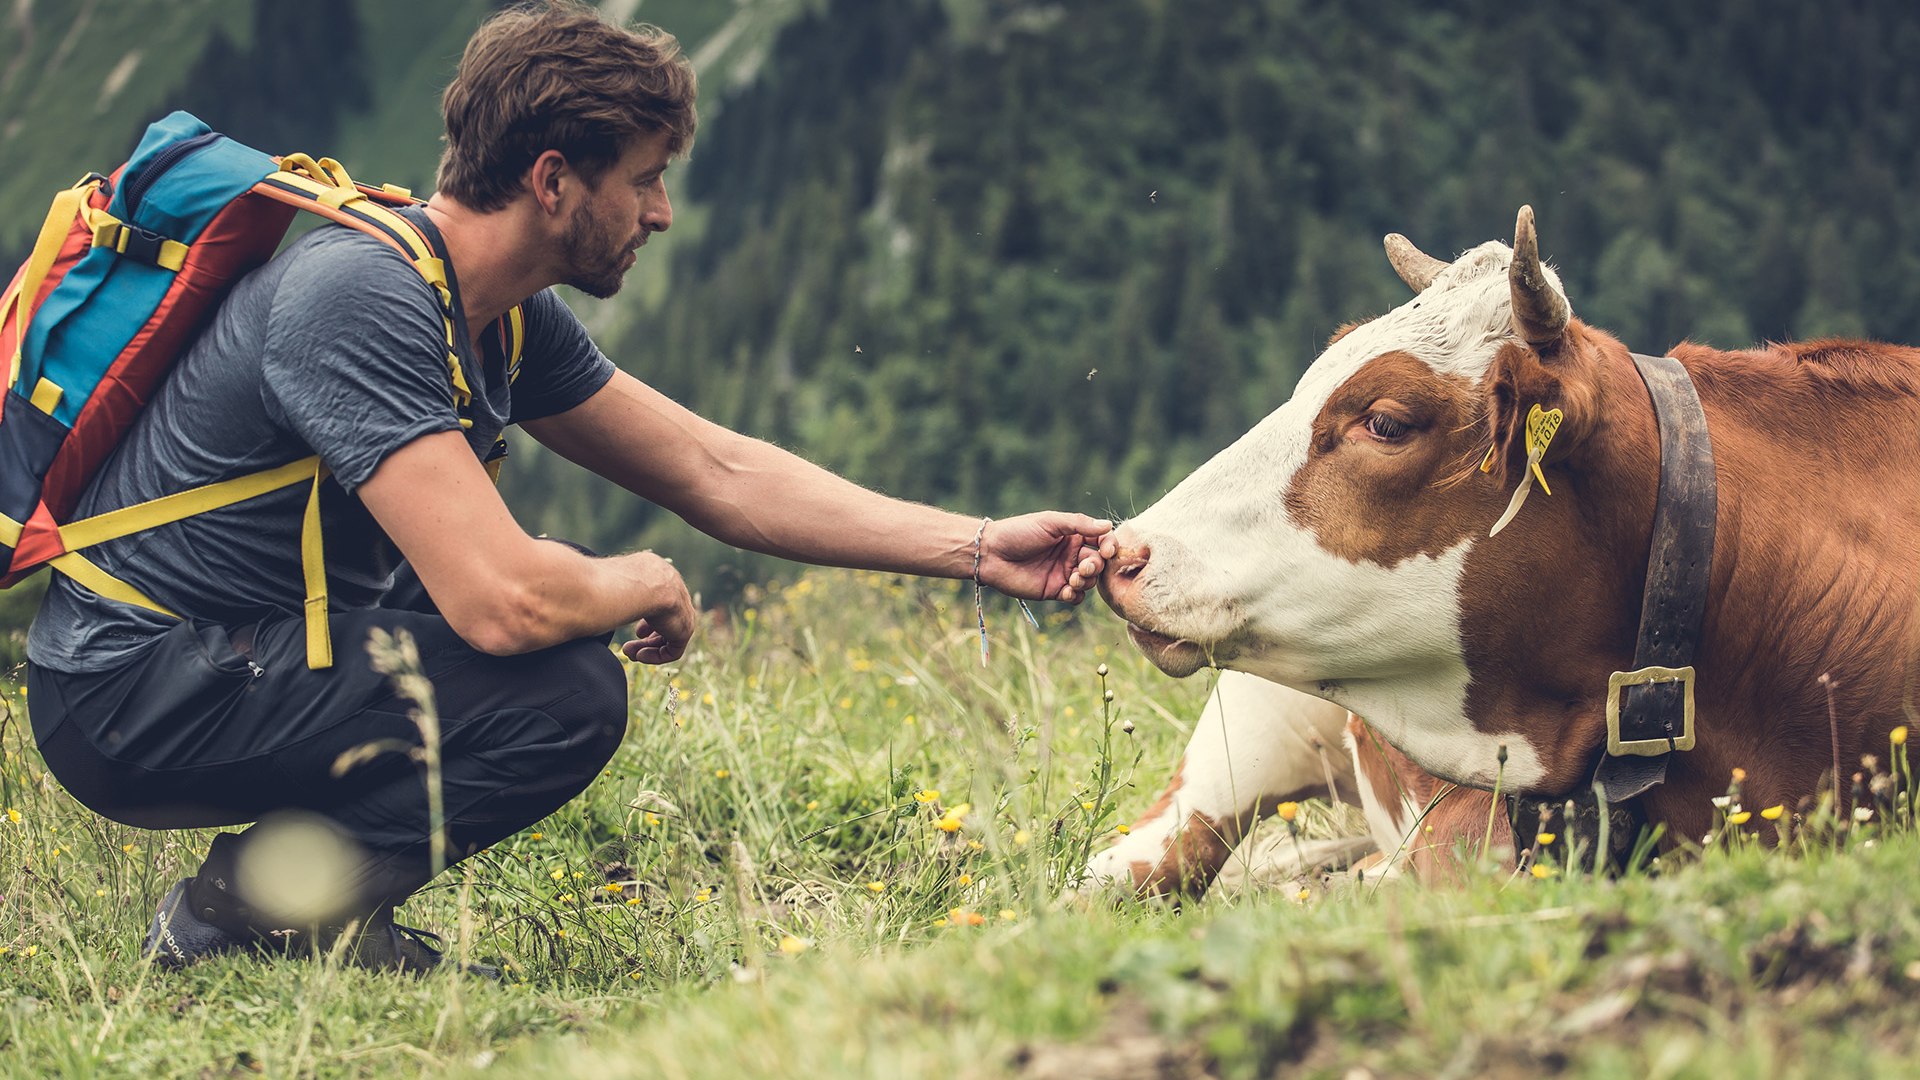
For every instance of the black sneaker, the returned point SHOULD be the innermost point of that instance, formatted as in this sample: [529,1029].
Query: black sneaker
[179,937]
[385,945]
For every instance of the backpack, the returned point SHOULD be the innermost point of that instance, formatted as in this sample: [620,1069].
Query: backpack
[127,270]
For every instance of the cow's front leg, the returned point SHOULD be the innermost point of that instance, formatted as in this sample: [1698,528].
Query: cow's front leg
[1258,744]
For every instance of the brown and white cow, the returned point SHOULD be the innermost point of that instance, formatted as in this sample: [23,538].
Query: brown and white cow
[1341,549]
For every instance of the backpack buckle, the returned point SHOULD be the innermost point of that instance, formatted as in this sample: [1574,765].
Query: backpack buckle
[135,242]
[138,243]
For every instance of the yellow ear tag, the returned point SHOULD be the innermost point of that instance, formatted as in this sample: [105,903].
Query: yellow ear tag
[1542,426]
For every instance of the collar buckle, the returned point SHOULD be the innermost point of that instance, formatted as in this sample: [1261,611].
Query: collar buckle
[1649,676]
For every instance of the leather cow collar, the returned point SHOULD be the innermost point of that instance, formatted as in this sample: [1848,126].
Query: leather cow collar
[1650,710]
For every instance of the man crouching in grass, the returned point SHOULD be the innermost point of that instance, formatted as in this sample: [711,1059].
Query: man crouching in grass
[560,128]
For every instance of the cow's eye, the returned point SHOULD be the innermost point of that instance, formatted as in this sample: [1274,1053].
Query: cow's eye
[1385,428]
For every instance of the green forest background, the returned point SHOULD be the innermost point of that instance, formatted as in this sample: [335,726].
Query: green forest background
[997,255]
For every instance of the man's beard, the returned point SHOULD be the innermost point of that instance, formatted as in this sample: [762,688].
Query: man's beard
[596,260]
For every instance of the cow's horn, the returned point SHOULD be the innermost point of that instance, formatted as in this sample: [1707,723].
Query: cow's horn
[1415,267]
[1539,311]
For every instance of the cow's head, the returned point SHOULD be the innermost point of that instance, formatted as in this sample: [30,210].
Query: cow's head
[1341,547]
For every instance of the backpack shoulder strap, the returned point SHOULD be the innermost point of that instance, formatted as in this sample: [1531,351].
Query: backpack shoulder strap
[323,187]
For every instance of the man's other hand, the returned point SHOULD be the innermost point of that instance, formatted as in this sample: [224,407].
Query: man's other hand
[1050,555]
[662,634]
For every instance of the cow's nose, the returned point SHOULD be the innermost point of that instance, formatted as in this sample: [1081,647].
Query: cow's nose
[1121,578]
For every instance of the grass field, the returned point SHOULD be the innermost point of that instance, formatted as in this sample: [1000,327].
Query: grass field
[834,844]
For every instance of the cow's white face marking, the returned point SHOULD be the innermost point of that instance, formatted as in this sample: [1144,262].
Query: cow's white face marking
[1231,571]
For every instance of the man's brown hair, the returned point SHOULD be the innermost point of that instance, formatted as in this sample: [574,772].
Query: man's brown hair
[558,76]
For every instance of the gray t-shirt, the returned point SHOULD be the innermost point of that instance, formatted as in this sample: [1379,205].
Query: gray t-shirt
[336,347]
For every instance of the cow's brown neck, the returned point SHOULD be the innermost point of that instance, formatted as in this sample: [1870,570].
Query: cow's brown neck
[1812,447]
[1817,447]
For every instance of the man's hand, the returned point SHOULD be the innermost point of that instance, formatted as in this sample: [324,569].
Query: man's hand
[661,635]
[1045,556]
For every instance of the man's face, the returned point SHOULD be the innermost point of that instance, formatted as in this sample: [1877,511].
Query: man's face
[605,232]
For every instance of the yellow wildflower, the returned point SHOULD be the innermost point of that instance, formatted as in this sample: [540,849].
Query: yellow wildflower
[846,703]
[721,774]
[632,900]
[33,950]
[703,896]
[909,720]
[1287,810]
[1086,804]
[1772,813]
[653,819]
[566,898]
[706,699]
[1545,838]
[966,879]
[1541,870]
[536,836]
[1303,894]
[975,845]
[951,821]
[813,804]
[1740,818]
[614,887]
[1008,914]
[1123,829]
[1021,837]
[129,848]
[927,796]
[13,815]
[1898,736]
[791,945]
[1739,775]
[877,886]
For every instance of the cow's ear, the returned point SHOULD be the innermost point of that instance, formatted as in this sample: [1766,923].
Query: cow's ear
[1522,377]
[1544,368]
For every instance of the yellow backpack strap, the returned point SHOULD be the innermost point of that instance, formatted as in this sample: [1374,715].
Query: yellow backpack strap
[313,567]
[127,520]
[67,207]
[513,337]
[324,188]
[95,580]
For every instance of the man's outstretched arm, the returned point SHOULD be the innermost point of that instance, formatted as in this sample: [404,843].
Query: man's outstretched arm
[754,495]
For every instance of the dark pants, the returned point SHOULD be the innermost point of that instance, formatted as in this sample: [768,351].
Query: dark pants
[217,726]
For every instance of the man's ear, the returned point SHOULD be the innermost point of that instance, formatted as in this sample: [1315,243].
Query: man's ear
[548,179]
